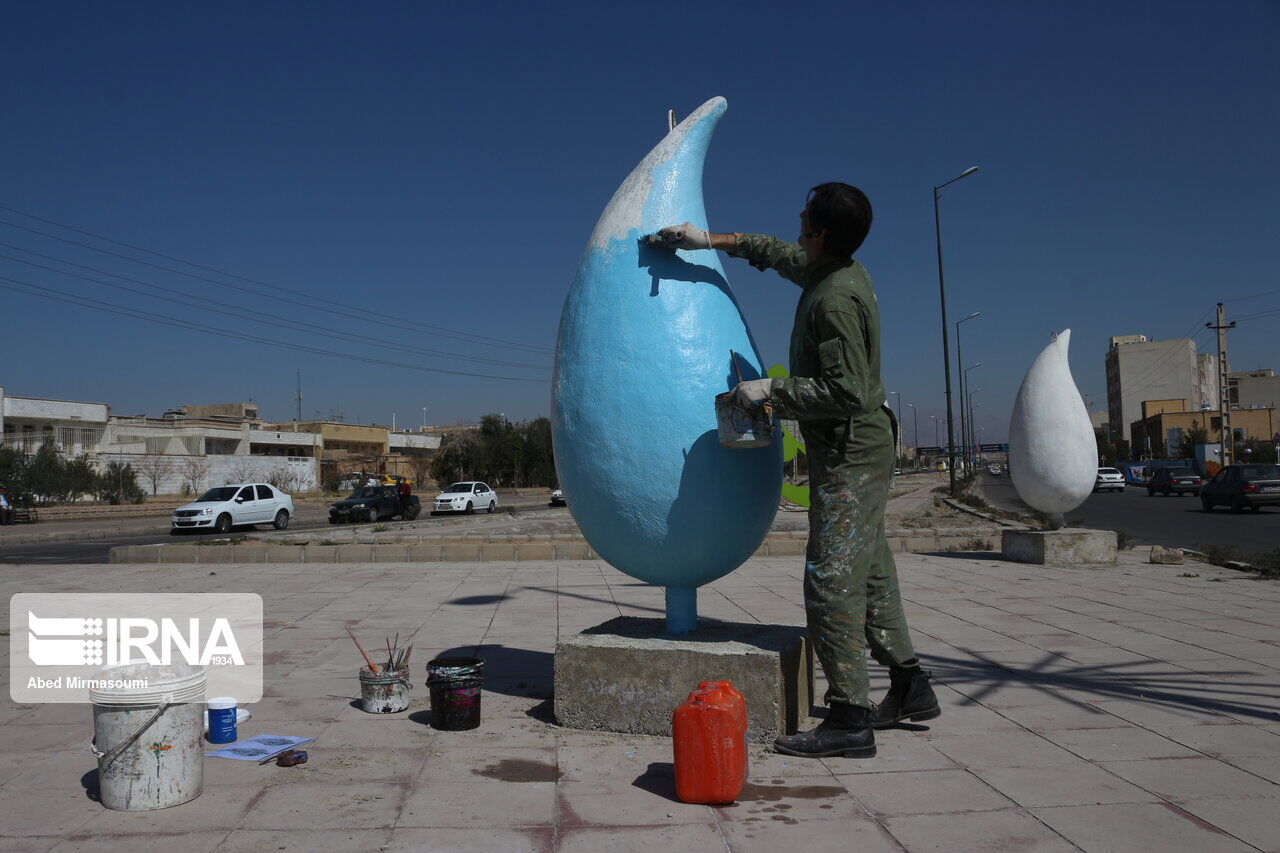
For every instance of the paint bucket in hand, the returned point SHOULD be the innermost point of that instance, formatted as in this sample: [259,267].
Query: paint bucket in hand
[455,684]
[148,737]
[384,692]
[739,428]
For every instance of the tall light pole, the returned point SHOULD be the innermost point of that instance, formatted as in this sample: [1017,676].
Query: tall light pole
[964,383]
[964,442]
[915,435]
[896,450]
[946,333]
[973,435]
[936,421]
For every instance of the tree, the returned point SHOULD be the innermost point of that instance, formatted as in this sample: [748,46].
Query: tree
[154,468]
[243,470]
[118,483]
[44,474]
[195,470]
[1191,437]
[80,477]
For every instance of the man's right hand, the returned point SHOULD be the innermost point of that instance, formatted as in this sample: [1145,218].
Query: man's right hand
[684,236]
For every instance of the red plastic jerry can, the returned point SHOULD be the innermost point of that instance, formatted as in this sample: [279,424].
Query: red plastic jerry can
[709,738]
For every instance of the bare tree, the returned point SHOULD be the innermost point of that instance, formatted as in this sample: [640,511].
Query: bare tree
[286,479]
[244,470]
[154,468]
[195,470]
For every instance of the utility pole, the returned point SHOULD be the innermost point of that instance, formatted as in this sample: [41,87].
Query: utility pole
[671,120]
[1225,439]
[298,396]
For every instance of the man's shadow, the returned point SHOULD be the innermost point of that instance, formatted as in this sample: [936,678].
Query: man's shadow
[665,264]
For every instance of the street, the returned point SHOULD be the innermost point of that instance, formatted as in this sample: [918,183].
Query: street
[1171,521]
[96,550]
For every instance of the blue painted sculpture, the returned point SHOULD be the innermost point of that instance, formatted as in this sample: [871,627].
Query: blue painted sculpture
[647,339]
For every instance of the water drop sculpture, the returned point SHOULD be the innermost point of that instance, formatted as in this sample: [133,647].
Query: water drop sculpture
[1052,451]
[647,338]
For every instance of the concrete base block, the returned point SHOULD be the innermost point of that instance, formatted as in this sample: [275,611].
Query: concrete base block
[1070,546]
[627,675]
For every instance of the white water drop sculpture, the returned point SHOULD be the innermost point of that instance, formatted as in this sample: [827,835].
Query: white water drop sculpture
[1052,451]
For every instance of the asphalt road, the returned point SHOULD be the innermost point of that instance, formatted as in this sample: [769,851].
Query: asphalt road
[1176,522]
[97,550]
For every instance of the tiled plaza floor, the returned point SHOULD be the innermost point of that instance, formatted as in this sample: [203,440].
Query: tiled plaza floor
[1130,708]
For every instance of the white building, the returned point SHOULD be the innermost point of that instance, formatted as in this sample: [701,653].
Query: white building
[73,427]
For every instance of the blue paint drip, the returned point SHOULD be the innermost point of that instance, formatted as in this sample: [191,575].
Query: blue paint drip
[645,344]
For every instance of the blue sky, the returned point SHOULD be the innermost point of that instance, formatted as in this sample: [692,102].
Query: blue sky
[443,164]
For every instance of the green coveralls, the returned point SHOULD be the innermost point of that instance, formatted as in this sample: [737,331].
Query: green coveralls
[835,392]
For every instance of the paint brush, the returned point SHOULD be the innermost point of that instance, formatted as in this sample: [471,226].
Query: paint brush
[733,357]
[373,667]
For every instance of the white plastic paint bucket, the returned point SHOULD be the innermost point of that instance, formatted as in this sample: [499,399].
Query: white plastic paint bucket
[739,428]
[148,737]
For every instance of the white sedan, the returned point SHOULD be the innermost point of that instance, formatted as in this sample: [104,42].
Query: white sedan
[465,497]
[1109,479]
[238,503]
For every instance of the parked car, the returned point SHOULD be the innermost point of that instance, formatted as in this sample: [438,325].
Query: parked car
[237,503]
[1109,479]
[465,497]
[557,497]
[373,503]
[1174,480]
[1240,486]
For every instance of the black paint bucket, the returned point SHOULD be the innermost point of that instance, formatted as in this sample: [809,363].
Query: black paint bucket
[455,692]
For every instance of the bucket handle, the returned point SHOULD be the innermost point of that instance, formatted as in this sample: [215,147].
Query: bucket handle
[112,754]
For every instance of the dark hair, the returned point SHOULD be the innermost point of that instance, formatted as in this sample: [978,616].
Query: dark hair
[845,213]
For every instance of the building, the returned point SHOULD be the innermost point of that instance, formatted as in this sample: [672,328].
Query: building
[1162,429]
[72,426]
[1253,389]
[1140,369]
[350,448]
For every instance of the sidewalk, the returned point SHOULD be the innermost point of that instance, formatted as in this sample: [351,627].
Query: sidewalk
[1128,708]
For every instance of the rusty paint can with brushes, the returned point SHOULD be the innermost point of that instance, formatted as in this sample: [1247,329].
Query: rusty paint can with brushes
[455,684]
[740,428]
[385,692]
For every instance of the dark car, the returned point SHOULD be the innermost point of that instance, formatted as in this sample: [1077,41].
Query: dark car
[373,503]
[1180,481]
[1240,486]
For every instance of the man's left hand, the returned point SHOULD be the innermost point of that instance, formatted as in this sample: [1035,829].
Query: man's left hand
[753,392]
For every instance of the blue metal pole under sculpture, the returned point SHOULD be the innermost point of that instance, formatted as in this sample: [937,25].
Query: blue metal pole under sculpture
[647,339]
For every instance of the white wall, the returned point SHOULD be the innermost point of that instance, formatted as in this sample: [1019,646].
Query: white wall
[222,469]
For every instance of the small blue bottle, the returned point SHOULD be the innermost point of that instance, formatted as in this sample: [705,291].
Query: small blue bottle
[222,719]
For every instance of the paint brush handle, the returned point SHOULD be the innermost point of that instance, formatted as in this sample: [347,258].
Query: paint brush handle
[373,667]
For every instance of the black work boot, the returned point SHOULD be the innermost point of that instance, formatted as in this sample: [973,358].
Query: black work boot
[846,731]
[910,698]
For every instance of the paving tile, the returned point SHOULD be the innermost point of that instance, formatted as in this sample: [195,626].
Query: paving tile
[998,832]
[1001,749]
[46,811]
[321,805]
[769,833]
[896,751]
[1193,778]
[791,800]
[1243,741]
[1118,744]
[328,840]
[483,840]
[188,842]
[1242,818]
[1074,785]
[472,804]
[926,792]
[1136,828]
[640,839]
[586,804]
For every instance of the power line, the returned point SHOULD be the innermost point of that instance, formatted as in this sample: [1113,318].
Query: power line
[241,312]
[1251,296]
[83,301]
[442,331]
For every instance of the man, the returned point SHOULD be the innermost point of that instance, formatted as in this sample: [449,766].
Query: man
[835,392]
[6,510]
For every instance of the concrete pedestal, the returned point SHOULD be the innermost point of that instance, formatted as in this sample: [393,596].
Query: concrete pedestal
[628,675]
[1066,547]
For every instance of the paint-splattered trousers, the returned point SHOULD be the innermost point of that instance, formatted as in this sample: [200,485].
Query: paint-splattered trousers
[851,583]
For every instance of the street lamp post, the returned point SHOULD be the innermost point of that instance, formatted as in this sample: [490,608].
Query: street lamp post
[915,435]
[946,349]
[897,450]
[964,441]
[973,435]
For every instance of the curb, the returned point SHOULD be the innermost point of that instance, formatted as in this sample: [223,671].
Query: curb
[1002,522]
[922,540]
